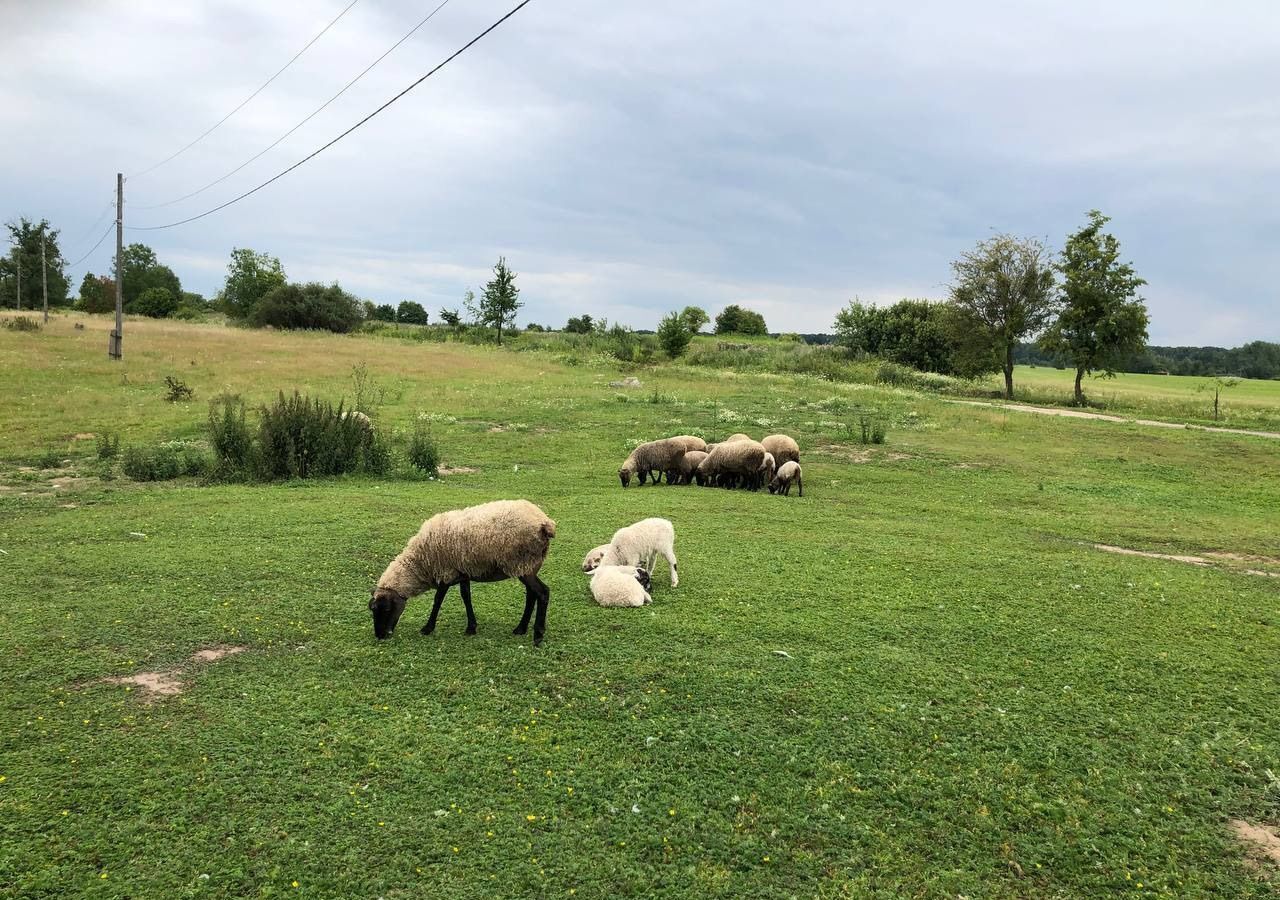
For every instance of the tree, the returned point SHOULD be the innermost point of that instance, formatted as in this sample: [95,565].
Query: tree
[26,239]
[155,302]
[384,312]
[411,313]
[250,277]
[311,305]
[1101,321]
[500,300]
[450,317]
[733,319]
[143,272]
[674,334]
[1217,384]
[1003,291]
[694,318]
[911,332]
[97,293]
[579,324]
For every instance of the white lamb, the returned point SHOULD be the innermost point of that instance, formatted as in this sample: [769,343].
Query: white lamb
[620,586]
[640,545]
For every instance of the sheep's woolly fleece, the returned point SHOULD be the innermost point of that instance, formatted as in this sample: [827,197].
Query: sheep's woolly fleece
[734,458]
[655,456]
[640,544]
[783,447]
[617,586]
[502,539]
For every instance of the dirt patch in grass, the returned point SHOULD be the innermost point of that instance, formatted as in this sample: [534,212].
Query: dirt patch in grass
[1172,557]
[1207,560]
[65,482]
[83,436]
[456,470]
[171,682]
[1260,841]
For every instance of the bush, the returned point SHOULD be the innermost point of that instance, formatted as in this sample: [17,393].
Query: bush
[22,323]
[156,302]
[50,459]
[177,390]
[411,313]
[230,437]
[674,335]
[303,438]
[108,445]
[308,306]
[164,463]
[384,312]
[424,453]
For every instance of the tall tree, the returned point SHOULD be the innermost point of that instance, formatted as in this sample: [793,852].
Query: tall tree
[500,300]
[1003,292]
[26,238]
[250,277]
[97,293]
[1102,320]
[694,318]
[733,319]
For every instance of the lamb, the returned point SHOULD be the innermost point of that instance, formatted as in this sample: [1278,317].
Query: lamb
[783,448]
[788,472]
[640,545]
[490,542]
[651,459]
[688,469]
[767,469]
[592,560]
[620,586]
[733,463]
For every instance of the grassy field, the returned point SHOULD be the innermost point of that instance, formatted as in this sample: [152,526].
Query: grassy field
[1250,403]
[970,699]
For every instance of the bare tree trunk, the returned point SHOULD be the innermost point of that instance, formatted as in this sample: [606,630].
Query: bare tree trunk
[499,334]
[1079,392]
[1008,372]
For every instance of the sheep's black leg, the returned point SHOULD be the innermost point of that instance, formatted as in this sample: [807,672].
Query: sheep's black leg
[465,587]
[800,485]
[540,623]
[435,609]
[529,601]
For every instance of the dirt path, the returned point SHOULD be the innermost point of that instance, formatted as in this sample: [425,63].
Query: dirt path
[1081,414]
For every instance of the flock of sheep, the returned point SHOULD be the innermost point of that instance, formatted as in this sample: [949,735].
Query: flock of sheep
[737,461]
[510,538]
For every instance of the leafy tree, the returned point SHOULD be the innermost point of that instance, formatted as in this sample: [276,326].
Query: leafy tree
[97,293]
[733,319]
[1003,291]
[155,302]
[26,239]
[194,300]
[579,324]
[1101,321]
[1217,385]
[450,317]
[250,277]
[674,334]
[694,318]
[534,326]
[411,313]
[311,305]
[143,272]
[384,312]
[472,308]
[500,300]
[911,332]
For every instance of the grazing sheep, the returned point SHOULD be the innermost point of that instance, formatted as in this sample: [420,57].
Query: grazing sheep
[688,470]
[733,463]
[620,586]
[490,542]
[592,560]
[788,472]
[360,417]
[690,442]
[640,545]
[767,469]
[651,459]
[783,448]
[736,437]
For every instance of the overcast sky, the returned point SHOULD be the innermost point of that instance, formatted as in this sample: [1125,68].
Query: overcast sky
[631,158]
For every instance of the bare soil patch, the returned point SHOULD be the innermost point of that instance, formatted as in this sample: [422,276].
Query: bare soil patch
[1261,841]
[213,654]
[83,436]
[456,470]
[1103,417]
[1172,557]
[171,682]
[1196,560]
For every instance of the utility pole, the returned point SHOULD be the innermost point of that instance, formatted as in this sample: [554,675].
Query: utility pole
[17,263]
[44,276]
[115,348]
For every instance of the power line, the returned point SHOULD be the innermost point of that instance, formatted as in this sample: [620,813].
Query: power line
[317,152]
[277,141]
[251,96]
[95,247]
[88,232]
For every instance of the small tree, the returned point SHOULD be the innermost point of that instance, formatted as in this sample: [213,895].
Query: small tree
[733,319]
[311,306]
[694,318]
[27,239]
[411,313]
[384,312]
[450,317]
[1003,293]
[155,302]
[579,324]
[674,334]
[97,293]
[1217,385]
[1101,322]
[250,277]
[500,300]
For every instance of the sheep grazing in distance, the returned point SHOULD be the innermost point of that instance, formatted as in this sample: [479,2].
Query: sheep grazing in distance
[490,542]
[736,437]
[592,560]
[620,586]
[733,464]
[651,460]
[788,472]
[640,545]
[688,470]
[783,447]
[690,442]
[357,416]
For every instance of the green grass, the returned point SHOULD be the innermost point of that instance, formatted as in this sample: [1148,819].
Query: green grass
[975,701]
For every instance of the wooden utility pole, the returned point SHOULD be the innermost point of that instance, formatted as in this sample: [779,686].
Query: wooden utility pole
[115,349]
[44,276]
[17,263]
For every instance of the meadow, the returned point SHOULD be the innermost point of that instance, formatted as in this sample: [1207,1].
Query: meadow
[921,679]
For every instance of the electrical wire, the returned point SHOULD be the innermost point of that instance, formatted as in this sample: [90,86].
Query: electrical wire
[246,100]
[317,152]
[313,114]
[95,247]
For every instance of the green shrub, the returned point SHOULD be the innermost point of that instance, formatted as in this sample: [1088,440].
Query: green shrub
[674,335]
[156,302]
[165,462]
[22,323]
[311,306]
[108,445]
[230,437]
[177,390]
[50,459]
[299,437]
[424,453]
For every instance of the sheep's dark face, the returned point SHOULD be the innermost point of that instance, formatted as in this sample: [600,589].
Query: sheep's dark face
[624,476]
[387,607]
[773,486]
[643,577]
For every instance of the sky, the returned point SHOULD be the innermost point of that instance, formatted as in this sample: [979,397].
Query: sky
[629,159]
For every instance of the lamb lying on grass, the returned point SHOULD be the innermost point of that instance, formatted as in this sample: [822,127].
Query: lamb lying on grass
[620,586]
[490,542]
[638,545]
